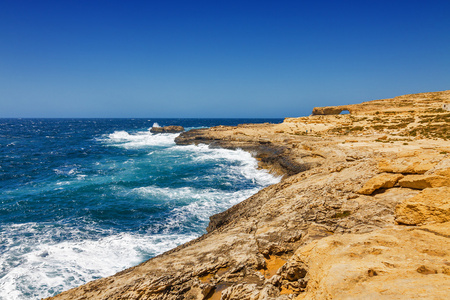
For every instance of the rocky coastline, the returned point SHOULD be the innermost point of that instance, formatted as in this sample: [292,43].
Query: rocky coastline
[362,212]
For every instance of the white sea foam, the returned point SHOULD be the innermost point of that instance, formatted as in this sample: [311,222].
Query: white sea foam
[141,139]
[194,204]
[246,165]
[67,170]
[37,267]
[208,203]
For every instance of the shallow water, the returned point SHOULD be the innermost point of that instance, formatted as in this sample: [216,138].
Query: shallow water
[82,199]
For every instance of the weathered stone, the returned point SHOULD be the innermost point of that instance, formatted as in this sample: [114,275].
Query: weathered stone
[429,206]
[443,172]
[167,129]
[378,182]
[424,181]
[386,263]
[409,165]
[442,229]
[329,110]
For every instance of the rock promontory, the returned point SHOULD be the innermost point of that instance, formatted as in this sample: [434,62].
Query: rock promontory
[362,212]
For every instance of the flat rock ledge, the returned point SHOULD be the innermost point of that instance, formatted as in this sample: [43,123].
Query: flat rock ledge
[362,212]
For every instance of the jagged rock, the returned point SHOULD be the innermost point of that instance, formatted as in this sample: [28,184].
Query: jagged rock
[167,129]
[378,182]
[252,292]
[199,292]
[424,181]
[429,206]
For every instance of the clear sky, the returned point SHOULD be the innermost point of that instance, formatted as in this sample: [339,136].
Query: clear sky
[216,58]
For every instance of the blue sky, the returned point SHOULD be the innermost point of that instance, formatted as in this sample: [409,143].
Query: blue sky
[216,58]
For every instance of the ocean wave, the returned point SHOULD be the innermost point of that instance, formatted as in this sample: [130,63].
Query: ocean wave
[67,170]
[37,266]
[193,206]
[140,139]
[245,164]
[184,185]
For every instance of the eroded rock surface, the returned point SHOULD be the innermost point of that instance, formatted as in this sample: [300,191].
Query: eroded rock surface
[429,206]
[347,221]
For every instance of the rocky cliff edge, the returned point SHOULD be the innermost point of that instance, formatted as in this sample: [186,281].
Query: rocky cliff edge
[363,212]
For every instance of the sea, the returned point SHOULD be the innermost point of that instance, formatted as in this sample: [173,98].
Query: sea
[82,199]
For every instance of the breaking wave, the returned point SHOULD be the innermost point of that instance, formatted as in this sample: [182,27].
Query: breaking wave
[101,204]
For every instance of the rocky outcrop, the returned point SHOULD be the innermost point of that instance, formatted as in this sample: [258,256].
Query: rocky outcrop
[424,181]
[413,103]
[271,152]
[417,163]
[380,181]
[329,110]
[429,206]
[360,214]
[167,129]
[391,263]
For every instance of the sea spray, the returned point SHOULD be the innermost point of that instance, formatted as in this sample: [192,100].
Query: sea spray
[84,199]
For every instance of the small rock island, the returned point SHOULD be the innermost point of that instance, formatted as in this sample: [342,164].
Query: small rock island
[167,129]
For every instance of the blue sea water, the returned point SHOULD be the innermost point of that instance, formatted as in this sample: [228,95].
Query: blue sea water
[82,199]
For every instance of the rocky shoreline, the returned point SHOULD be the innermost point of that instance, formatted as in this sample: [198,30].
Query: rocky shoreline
[362,212]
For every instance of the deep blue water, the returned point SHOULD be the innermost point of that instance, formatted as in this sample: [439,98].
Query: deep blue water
[82,199]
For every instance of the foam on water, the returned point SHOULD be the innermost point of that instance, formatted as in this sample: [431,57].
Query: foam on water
[247,165]
[39,259]
[199,205]
[139,139]
[38,266]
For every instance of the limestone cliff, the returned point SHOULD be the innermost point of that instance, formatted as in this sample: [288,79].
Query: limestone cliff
[363,212]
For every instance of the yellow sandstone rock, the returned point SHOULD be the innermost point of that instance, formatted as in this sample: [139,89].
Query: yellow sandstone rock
[424,181]
[380,181]
[429,206]
[443,172]
[408,165]
[392,263]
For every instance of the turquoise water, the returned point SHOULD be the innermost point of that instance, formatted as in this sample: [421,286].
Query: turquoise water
[82,199]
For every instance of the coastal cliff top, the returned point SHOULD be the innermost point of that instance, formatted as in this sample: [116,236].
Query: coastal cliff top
[362,212]
[416,115]
[412,103]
